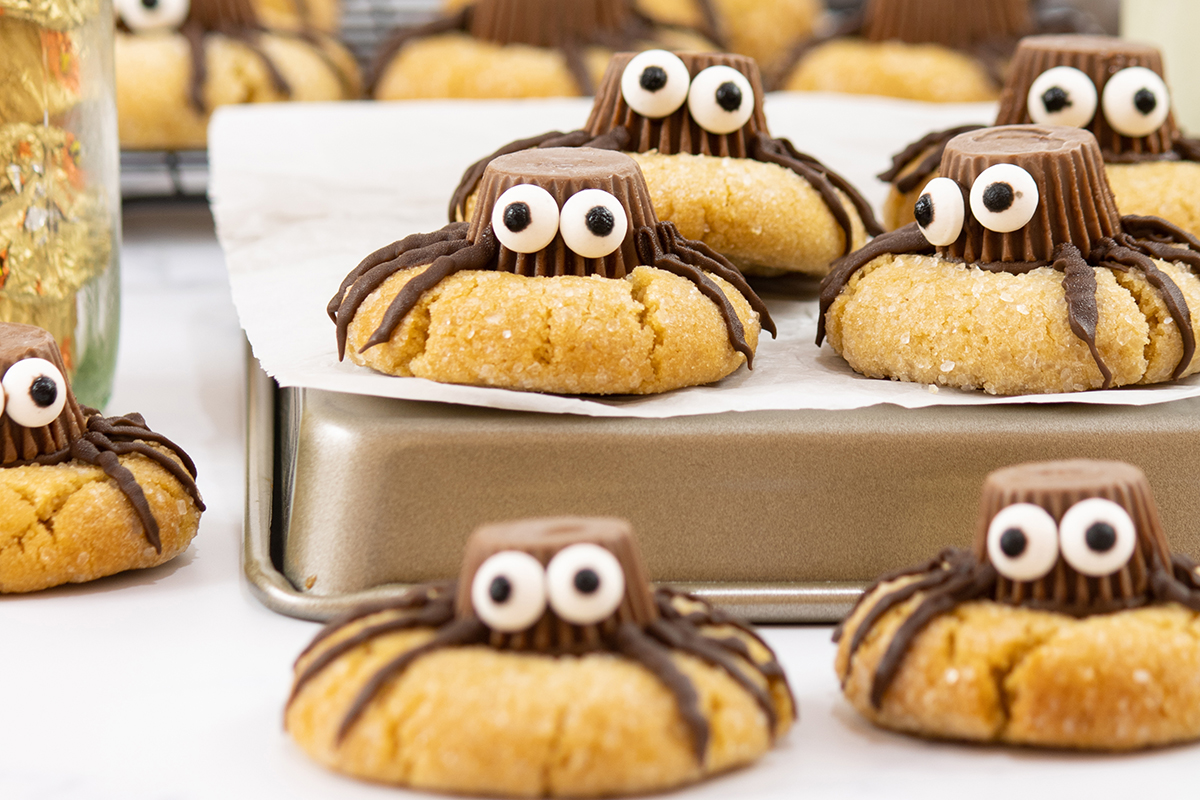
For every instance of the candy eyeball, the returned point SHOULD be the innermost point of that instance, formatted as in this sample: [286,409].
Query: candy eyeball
[593,223]
[940,211]
[1062,96]
[143,16]
[35,392]
[1004,198]
[721,100]
[586,584]
[655,83]
[1022,542]
[525,218]
[508,591]
[1097,537]
[1136,102]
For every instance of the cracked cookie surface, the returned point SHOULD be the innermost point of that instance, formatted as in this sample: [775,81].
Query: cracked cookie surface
[992,672]
[69,523]
[476,720]
[929,320]
[649,332]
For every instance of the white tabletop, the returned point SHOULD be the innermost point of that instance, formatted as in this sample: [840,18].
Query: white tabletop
[169,683]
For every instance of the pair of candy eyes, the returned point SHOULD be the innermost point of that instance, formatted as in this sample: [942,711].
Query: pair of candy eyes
[1003,198]
[1135,100]
[656,83]
[1096,537]
[34,392]
[583,584]
[526,218]
[152,15]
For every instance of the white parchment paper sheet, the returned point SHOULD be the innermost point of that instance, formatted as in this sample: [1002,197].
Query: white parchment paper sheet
[302,192]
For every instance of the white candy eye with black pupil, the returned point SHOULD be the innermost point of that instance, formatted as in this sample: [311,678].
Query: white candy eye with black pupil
[35,392]
[586,584]
[1136,101]
[940,211]
[1097,537]
[593,223]
[508,591]
[153,15]
[655,83]
[1004,198]
[525,218]
[1022,542]
[721,100]
[1062,96]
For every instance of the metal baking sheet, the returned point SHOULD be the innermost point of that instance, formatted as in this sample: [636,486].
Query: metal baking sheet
[780,516]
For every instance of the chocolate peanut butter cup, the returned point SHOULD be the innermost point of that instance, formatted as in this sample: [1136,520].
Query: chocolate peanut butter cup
[949,23]
[548,23]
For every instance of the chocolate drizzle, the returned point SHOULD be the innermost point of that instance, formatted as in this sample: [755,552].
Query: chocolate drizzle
[612,124]
[1075,229]
[1152,574]
[648,628]
[935,143]
[473,246]
[82,434]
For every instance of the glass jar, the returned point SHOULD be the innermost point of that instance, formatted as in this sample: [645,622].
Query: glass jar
[60,205]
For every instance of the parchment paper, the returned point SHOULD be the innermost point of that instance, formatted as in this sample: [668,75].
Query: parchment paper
[302,192]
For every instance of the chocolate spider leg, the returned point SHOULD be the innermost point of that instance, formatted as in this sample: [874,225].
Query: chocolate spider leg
[664,597]
[474,173]
[250,38]
[765,149]
[908,239]
[698,254]
[967,588]
[1079,287]
[633,643]
[938,141]
[572,54]
[318,45]
[468,630]
[850,25]
[376,278]
[136,429]
[680,638]
[1122,257]
[956,564]
[459,21]
[865,212]
[194,34]
[157,456]
[1188,149]
[476,256]
[434,615]
[416,597]
[88,452]
[1157,229]
[650,250]
[1179,584]
[1168,252]
[455,230]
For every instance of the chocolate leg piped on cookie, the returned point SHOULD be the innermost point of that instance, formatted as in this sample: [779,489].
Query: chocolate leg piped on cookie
[565,596]
[695,124]
[1070,561]
[547,219]
[1019,204]
[1111,87]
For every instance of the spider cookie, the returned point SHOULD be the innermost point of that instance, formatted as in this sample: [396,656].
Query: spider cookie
[81,495]
[516,48]
[177,60]
[1069,624]
[1111,87]
[563,281]
[550,668]
[694,122]
[1019,276]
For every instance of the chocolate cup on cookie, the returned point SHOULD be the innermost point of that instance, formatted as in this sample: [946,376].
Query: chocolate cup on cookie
[516,48]
[563,281]
[1065,626]
[1113,88]
[123,497]
[694,123]
[549,619]
[1020,276]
